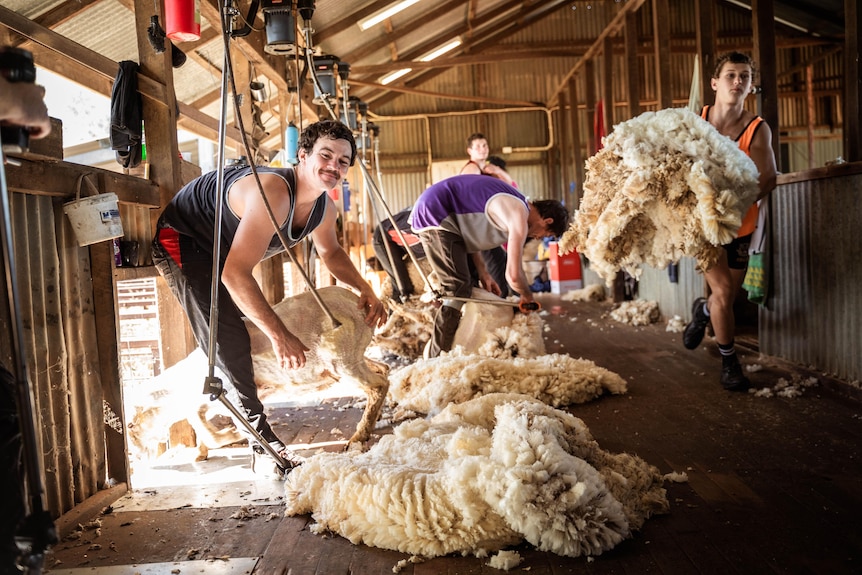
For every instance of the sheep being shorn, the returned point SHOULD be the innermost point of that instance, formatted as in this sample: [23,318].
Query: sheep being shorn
[478,477]
[429,385]
[666,184]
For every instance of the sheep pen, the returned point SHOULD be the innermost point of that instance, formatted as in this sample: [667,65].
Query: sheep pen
[478,477]
[666,184]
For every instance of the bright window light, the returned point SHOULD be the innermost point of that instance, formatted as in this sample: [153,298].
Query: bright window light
[389,78]
[441,50]
[385,13]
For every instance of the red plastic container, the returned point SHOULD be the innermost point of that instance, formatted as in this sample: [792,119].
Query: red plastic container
[182,20]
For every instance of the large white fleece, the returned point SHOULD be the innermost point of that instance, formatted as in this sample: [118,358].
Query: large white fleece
[666,184]
[478,477]
[429,385]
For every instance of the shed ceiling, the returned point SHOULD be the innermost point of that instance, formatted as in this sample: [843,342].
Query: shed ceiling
[511,51]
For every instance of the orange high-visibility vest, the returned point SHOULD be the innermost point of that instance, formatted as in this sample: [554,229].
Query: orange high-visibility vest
[749,222]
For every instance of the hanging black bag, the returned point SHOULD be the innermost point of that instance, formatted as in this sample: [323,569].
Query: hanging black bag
[126,115]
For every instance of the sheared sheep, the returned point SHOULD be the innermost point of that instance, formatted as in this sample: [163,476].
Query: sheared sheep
[478,477]
[495,330]
[334,355]
[666,184]
[490,329]
[429,385]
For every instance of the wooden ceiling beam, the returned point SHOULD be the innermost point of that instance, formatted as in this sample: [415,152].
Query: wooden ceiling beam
[524,16]
[441,95]
[610,30]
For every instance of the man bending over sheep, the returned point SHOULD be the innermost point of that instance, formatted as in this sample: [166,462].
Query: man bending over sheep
[459,217]
[183,254]
[732,82]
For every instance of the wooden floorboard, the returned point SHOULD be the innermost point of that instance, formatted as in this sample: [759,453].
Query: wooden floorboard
[774,484]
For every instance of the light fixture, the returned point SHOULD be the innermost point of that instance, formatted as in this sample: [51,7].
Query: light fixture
[324,71]
[448,47]
[280,28]
[392,76]
[382,15]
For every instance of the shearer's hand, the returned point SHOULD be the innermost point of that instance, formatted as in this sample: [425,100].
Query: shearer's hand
[289,351]
[528,306]
[375,311]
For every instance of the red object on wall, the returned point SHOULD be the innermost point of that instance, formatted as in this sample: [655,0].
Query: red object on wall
[182,20]
[599,125]
[563,267]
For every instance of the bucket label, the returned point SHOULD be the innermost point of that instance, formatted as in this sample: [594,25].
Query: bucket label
[110,215]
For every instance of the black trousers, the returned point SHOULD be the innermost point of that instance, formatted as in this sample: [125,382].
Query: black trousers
[11,476]
[190,280]
[448,256]
[396,268]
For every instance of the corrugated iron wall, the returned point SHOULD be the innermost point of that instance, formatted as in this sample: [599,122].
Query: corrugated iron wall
[56,309]
[672,298]
[813,316]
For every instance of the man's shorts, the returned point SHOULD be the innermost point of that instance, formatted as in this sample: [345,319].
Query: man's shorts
[737,252]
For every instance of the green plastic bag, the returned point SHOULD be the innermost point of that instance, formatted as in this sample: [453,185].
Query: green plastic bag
[755,279]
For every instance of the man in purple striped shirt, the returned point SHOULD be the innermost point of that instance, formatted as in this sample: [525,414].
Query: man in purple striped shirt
[459,217]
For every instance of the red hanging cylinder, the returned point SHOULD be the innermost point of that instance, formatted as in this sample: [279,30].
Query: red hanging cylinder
[182,20]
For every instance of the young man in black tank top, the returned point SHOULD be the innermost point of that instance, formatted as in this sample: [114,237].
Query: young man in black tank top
[182,252]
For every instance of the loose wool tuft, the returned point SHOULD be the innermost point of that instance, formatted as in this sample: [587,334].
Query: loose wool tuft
[478,477]
[666,184]
[429,385]
[593,292]
[637,312]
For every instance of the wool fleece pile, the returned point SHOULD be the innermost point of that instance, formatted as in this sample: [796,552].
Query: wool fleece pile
[666,184]
[429,385]
[477,477]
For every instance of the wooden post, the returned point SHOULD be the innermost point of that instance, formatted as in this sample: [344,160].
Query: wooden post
[661,44]
[608,84]
[590,87]
[632,72]
[564,146]
[705,47]
[764,55]
[852,79]
[811,114]
[576,145]
[160,125]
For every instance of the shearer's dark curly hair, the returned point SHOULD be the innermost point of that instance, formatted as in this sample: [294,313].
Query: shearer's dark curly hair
[327,129]
[556,211]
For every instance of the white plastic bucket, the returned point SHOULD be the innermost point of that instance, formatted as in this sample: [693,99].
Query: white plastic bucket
[94,219]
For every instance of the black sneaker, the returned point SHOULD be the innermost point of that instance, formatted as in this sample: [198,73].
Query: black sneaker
[732,378]
[695,330]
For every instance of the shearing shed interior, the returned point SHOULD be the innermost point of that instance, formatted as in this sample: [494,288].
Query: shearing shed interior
[575,435]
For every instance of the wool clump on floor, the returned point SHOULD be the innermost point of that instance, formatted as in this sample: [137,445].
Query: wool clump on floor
[478,477]
[666,184]
[594,292]
[429,385]
[637,312]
